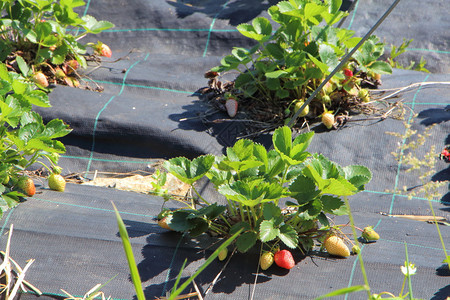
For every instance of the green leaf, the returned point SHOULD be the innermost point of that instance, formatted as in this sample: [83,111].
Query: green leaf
[339,187]
[91,25]
[180,221]
[328,56]
[55,129]
[344,291]
[334,5]
[136,279]
[380,67]
[246,241]
[268,231]
[276,74]
[244,226]
[275,50]
[311,210]
[358,175]
[291,153]
[38,98]
[189,171]
[260,30]
[303,189]
[288,236]
[199,226]
[212,211]
[253,192]
[5,87]
[262,26]
[331,203]
[271,210]
[22,66]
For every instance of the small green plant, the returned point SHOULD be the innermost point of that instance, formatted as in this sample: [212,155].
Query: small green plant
[288,64]
[24,138]
[254,180]
[41,37]
[398,50]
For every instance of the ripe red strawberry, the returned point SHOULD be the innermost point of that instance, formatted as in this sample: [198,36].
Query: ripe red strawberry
[266,260]
[445,154]
[26,185]
[40,79]
[103,50]
[348,73]
[336,246]
[284,259]
[56,182]
[232,106]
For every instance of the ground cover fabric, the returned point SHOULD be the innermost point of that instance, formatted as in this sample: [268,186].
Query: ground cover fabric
[161,50]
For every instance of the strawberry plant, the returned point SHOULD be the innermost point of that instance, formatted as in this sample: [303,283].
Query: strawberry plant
[43,37]
[253,182]
[288,63]
[24,138]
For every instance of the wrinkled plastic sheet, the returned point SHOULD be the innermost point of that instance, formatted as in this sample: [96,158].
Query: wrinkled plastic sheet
[150,110]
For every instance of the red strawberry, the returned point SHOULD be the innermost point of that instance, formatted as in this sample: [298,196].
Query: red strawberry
[348,73]
[232,106]
[284,259]
[26,184]
[40,79]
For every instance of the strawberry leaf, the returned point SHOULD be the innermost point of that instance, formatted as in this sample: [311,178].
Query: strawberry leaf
[239,226]
[271,210]
[189,171]
[246,240]
[268,231]
[292,153]
[288,236]
[331,203]
[303,189]
[180,221]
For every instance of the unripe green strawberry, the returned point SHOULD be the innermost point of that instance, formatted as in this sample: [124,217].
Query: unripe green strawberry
[56,182]
[356,249]
[40,79]
[26,185]
[328,119]
[59,73]
[369,234]
[284,259]
[266,260]
[298,105]
[336,246]
[223,254]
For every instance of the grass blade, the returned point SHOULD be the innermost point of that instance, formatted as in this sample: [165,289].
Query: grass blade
[130,257]
[343,291]
[225,244]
